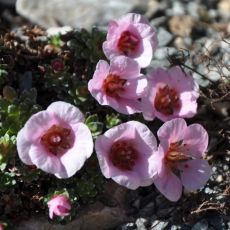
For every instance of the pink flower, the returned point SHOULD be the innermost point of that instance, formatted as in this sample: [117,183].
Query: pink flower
[179,160]
[171,94]
[59,205]
[56,140]
[118,85]
[124,153]
[131,36]
[1,226]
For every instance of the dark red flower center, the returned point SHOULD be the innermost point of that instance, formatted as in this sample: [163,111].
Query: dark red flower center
[113,85]
[127,43]
[57,139]
[167,100]
[123,155]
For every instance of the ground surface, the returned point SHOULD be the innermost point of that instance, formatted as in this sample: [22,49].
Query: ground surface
[202,31]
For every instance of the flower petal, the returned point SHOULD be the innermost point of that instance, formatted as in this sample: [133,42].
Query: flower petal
[37,125]
[125,67]
[172,131]
[169,185]
[66,112]
[23,148]
[196,137]
[44,160]
[74,158]
[195,173]
[145,57]
[135,88]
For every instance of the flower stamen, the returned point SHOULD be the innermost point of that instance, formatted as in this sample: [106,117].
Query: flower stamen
[113,84]
[167,100]
[56,139]
[123,155]
[127,43]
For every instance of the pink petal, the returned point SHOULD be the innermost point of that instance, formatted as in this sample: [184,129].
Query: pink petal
[112,27]
[135,88]
[104,142]
[124,67]
[23,148]
[101,72]
[145,56]
[66,112]
[110,48]
[133,18]
[44,160]
[196,137]
[169,185]
[128,106]
[188,108]
[37,125]
[172,131]
[195,173]
[74,158]
[145,141]
[130,180]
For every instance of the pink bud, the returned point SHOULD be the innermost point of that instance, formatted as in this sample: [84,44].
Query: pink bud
[57,65]
[59,205]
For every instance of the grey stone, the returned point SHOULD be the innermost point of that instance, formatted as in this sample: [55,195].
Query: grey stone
[159,225]
[75,13]
[93,217]
[192,8]
[164,37]
[8,2]
[201,225]
[141,223]
[177,9]
[209,190]
[155,22]
[147,210]
[128,226]
[163,52]
[175,227]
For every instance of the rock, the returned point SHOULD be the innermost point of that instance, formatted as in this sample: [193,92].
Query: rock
[148,210]
[95,216]
[217,222]
[164,37]
[164,52]
[224,8]
[219,178]
[159,21]
[128,226]
[141,223]
[181,25]
[159,225]
[201,225]
[193,9]
[177,9]
[74,13]
[8,2]
[91,217]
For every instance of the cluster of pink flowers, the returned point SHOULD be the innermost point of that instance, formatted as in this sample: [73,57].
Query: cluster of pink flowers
[164,94]
[128,154]
[57,141]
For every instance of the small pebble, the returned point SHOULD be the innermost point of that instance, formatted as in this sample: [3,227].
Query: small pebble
[201,225]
